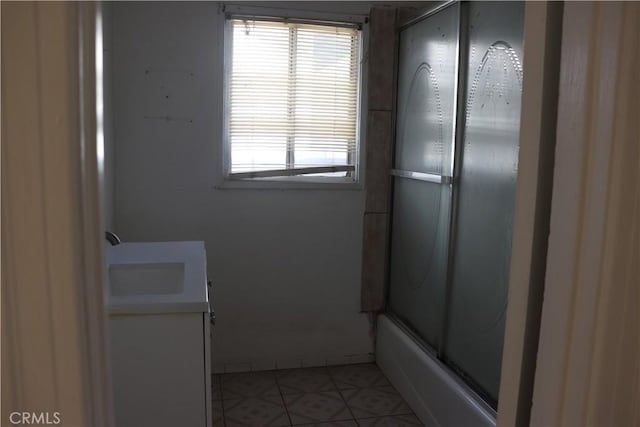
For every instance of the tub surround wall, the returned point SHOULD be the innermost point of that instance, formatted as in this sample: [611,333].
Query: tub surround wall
[379,149]
[379,157]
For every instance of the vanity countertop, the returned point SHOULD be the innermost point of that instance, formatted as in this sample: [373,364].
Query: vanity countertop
[157,277]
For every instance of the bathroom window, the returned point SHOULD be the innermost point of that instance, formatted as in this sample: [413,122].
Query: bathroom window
[291,101]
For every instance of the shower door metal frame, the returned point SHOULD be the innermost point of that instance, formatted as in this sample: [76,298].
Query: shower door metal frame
[420,176]
[459,121]
[543,27]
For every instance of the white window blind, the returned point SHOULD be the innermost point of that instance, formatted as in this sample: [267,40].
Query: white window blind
[292,99]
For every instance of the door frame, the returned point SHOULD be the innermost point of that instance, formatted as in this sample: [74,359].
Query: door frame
[588,363]
[590,269]
[54,346]
[541,64]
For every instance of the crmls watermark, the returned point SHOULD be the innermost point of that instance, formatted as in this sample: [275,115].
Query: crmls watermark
[35,418]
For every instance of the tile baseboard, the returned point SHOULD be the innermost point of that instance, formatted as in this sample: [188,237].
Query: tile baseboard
[229,366]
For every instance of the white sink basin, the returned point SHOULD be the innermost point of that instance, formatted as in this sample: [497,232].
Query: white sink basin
[157,277]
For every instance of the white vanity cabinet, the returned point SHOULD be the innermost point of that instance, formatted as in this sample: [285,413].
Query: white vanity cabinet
[160,369]
[160,335]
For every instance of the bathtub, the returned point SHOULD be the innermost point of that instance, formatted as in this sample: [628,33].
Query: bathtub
[436,395]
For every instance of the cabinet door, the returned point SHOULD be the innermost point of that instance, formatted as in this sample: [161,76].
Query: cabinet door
[158,370]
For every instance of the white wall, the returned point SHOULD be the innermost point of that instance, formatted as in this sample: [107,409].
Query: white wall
[285,264]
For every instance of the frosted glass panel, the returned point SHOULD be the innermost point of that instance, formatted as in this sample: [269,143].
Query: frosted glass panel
[419,233]
[419,255]
[426,87]
[486,186]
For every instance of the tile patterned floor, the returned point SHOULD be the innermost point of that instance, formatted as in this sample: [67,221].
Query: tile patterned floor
[335,396]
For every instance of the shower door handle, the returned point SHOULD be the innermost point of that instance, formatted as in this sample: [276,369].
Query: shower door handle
[421,176]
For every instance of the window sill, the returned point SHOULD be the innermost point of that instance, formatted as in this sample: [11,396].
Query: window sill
[289,184]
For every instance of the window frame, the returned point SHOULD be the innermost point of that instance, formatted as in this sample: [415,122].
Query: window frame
[226,179]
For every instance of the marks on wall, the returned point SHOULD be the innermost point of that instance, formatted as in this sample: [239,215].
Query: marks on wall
[171,95]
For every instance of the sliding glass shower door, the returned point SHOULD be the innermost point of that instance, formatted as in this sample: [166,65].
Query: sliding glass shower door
[423,165]
[486,193]
[452,224]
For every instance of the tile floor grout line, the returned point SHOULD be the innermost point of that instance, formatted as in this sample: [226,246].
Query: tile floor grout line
[396,390]
[284,403]
[373,387]
[333,381]
[224,417]
[262,396]
[342,396]
[336,389]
